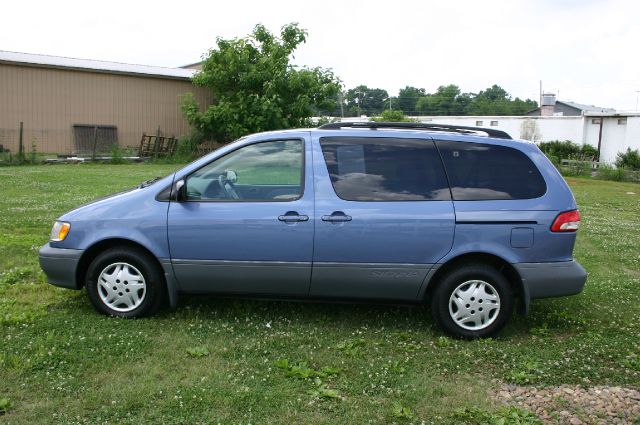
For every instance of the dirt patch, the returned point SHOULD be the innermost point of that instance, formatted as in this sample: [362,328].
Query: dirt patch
[575,405]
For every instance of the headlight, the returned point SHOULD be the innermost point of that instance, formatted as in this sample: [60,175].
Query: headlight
[60,231]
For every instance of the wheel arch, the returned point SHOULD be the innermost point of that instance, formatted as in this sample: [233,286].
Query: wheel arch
[495,261]
[94,250]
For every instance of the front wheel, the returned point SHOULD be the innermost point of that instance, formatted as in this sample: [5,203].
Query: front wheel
[472,301]
[124,282]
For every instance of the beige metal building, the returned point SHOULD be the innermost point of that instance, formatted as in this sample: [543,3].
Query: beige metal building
[68,105]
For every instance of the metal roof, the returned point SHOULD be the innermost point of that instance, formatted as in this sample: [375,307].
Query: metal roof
[28,59]
[587,108]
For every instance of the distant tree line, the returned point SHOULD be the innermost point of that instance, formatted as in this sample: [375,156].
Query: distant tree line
[255,87]
[413,101]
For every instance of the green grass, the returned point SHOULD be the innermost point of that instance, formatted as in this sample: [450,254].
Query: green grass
[237,361]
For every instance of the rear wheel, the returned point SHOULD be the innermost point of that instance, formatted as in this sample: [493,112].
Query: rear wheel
[472,301]
[124,282]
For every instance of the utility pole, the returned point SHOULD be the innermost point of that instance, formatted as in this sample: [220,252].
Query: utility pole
[540,99]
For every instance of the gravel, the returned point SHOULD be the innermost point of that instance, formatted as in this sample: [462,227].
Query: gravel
[575,405]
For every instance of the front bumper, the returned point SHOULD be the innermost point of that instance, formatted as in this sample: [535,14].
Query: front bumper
[60,265]
[542,280]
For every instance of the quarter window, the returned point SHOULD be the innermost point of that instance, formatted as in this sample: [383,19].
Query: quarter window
[268,171]
[384,169]
[479,172]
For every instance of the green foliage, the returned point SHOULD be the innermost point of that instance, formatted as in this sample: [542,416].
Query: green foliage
[629,160]
[505,416]
[198,352]
[321,391]
[449,100]
[187,146]
[609,172]
[558,150]
[5,405]
[443,342]
[256,88]
[401,412]
[363,100]
[408,98]
[632,361]
[353,347]
[303,371]
[392,116]
[326,120]
[116,155]
[524,373]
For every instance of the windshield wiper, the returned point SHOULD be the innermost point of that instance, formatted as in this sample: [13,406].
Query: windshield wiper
[148,182]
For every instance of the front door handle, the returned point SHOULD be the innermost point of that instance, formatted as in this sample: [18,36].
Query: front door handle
[336,217]
[292,217]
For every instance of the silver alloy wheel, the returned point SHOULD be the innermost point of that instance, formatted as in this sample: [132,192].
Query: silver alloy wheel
[474,305]
[121,287]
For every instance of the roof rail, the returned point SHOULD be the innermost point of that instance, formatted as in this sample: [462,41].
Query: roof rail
[498,134]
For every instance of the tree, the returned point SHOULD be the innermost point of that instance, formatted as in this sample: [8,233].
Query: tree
[256,88]
[407,99]
[362,100]
[496,101]
[447,100]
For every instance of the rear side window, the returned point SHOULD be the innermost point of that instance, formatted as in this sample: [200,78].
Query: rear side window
[480,172]
[385,169]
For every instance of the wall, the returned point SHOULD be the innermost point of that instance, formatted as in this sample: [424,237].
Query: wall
[536,129]
[50,101]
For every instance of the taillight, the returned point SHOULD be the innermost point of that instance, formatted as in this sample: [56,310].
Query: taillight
[566,222]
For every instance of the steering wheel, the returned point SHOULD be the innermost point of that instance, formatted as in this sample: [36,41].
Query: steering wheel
[227,187]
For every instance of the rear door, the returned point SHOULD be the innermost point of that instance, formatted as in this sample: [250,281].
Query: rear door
[383,216]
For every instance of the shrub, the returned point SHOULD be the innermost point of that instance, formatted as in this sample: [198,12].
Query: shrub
[629,159]
[187,147]
[557,151]
[392,115]
[116,155]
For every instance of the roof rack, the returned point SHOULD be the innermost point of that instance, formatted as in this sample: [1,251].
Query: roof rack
[498,134]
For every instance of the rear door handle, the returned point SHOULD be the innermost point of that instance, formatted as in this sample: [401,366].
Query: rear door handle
[292,217]
[336,217]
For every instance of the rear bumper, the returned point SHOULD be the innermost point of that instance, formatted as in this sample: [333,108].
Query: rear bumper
[60,265]
[542,280]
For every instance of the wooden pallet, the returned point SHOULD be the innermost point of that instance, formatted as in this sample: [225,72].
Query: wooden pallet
[157,146]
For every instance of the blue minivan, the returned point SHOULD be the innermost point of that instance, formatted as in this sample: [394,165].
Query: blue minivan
[462,218]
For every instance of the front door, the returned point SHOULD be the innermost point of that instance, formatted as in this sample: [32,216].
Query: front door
[383,216]
[246,225]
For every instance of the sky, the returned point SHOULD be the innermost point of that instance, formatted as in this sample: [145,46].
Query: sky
[586,51]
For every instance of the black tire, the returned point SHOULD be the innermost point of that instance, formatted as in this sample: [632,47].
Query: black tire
[149,296]
[489,280]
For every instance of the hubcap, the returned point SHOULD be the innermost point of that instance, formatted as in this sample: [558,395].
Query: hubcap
[121,287]
[474,305]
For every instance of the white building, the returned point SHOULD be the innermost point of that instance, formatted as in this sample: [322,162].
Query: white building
[610,132]
[605,129]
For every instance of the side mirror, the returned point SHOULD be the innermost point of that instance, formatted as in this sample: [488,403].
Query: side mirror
[180,191]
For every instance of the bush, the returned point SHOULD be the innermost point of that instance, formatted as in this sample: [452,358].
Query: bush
[187,147]
[392,115]
[557,151]
[116,155]
[629,160]
[619,174]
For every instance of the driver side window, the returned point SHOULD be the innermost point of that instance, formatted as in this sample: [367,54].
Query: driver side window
[267,171]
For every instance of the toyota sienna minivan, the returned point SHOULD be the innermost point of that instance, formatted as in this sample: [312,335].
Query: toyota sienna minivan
[464,219]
